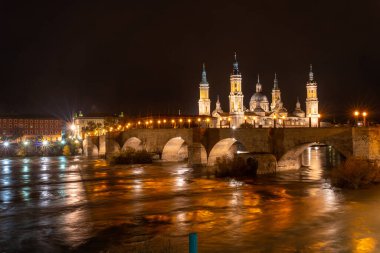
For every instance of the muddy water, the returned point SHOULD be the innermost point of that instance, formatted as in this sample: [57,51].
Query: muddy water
[73,204]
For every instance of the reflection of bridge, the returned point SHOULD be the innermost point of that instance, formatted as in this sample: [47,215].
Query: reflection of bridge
[202,146]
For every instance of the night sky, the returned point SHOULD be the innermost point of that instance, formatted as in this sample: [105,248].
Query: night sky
[145,57]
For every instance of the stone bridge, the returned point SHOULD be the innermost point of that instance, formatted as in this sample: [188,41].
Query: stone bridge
[201,146]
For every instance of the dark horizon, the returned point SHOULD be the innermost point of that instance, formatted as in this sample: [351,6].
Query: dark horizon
[146,57]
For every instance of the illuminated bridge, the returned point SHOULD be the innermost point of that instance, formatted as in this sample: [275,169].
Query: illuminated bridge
[201,146]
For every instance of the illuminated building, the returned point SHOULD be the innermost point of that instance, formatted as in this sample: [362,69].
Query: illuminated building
[260,113]
[31,127]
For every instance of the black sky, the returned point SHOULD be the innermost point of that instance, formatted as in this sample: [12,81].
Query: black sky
[144,57]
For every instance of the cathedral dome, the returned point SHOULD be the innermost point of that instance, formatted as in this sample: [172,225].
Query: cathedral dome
[259,97]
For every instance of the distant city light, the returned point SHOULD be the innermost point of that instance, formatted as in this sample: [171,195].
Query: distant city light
[63,142]
[45,142]
[72,127]
[26,143]
[6,143]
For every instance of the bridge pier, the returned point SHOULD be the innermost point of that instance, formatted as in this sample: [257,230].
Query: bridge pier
[197,155]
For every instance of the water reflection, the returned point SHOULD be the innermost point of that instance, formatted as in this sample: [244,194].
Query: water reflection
[88,206]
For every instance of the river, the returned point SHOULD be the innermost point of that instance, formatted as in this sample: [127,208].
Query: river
[73,204]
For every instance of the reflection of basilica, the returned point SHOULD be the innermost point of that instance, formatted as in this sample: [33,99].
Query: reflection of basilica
[260,113]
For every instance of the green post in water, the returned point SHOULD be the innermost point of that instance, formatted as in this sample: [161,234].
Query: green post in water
[193,243]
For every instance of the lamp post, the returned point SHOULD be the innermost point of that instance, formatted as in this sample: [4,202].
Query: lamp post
[173,123]
[189,122]
[180,123]
[283,121]
[274,121]
[364,118]
[208,122]
[199,122]
[229,122]
[356,114]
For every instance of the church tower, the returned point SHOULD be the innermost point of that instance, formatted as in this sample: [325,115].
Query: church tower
[204,101]
[236,96]
[276,94]
[312,99]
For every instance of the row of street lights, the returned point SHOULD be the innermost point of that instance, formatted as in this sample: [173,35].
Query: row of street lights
[357,115]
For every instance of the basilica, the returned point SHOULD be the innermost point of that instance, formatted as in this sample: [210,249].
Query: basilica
[261,112]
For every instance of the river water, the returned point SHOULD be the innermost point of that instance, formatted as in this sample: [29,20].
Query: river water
[73,204]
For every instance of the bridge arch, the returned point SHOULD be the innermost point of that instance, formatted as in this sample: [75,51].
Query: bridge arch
[292,158]
[133,143]
[228,147]
[90,149]
[175,150]
[113,147]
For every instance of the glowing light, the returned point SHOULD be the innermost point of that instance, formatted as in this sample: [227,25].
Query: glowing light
[26,143]
[189,120]
[172,120]
[233,127]
[6,143]
[208,120]
[63,142]
[364,114]
[72,127]
[45,142]
[164,120]
[199,119]
[356,113]
[180,120]
[76,141]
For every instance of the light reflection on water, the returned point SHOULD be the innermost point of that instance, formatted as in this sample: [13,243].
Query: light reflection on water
[58,204]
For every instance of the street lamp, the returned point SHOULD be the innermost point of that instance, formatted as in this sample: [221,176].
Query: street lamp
[364,118]
[283,121]
[6,144]
[356,114]
[274,121]
[189,121]
[208,121]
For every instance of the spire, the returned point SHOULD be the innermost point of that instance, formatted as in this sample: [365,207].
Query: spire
[298,104]
[311,74]
[275,83]
[204,78]
[218,107]
[258,85]
[236,66]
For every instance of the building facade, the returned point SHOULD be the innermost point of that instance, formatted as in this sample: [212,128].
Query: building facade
[29,128]
[261,112]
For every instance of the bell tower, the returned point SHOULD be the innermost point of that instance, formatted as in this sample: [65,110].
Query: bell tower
[204,102]
[276,94]
[312,100]
[236,96]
